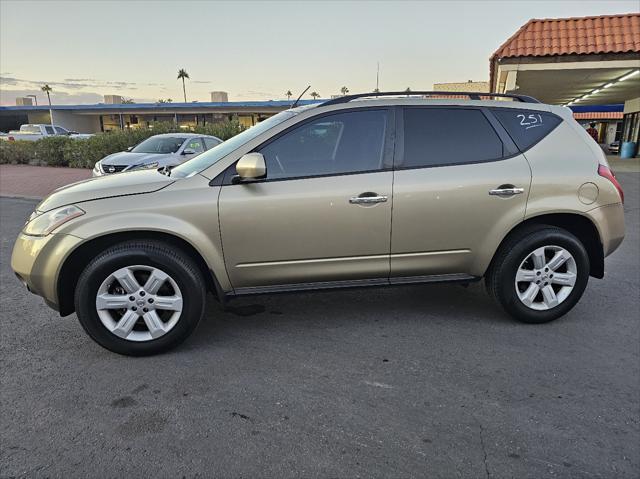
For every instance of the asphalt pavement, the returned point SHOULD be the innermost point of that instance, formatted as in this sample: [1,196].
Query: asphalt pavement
[419,381]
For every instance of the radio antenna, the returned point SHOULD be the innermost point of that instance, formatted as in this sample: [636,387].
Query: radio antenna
[295,103]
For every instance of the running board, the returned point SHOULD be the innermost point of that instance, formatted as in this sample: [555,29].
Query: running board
[356,283]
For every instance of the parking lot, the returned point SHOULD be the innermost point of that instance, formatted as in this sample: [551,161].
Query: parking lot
[420,381]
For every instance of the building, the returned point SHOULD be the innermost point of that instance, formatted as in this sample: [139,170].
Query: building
[219,96]
[24,101]
[475,86]
[607,119]
[113,99]
[105,117]
[588,61]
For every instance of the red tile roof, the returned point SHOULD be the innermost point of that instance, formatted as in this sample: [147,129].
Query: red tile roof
[572,36]
[598,115]
[579,36]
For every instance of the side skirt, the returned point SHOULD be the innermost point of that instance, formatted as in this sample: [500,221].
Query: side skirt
[358,283]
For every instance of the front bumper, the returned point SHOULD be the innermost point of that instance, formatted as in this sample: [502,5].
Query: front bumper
[37,262]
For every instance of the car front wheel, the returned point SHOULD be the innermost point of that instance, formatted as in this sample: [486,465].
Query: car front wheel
[140,298]
[539,274]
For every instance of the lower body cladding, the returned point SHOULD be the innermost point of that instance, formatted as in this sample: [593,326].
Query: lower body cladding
[357,283]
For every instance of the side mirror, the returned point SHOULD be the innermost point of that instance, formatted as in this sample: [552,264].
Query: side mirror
[251,167]
[187,151]
[129,149]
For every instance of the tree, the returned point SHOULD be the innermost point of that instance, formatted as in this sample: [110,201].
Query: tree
[162,100]
[288,94]
[127,101]
[47,89]
[314,94]
[376,90]
[344,90]
[182,74]
[408,91]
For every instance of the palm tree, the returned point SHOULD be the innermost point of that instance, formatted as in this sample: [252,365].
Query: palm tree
[48,89]
[344,90]
[314,94]
[288,94]
[182,74]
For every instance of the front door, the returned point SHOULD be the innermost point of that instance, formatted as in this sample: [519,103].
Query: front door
[459,185]
[323,212]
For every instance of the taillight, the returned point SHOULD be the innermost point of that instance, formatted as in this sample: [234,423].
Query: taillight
[606,172]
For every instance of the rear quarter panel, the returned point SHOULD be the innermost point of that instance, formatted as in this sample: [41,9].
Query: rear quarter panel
[561,164]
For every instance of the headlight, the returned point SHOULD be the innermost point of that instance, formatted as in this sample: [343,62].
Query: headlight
[146,166]
[45,223]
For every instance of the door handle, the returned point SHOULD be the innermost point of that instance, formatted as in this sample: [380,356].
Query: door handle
[368,199]
[506,191]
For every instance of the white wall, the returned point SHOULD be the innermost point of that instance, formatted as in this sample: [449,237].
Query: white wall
[73,121]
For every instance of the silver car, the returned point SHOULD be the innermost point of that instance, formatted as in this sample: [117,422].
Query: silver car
[170,149]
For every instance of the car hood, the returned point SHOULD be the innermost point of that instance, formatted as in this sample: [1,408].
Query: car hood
[130,183]
[128,158]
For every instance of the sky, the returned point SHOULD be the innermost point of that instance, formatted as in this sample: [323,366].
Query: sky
[256,50]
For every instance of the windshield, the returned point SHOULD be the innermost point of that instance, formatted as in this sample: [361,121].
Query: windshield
[210,157]
[160,144]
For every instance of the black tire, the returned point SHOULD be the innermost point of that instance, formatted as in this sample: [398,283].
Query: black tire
[500,279]
[182,269]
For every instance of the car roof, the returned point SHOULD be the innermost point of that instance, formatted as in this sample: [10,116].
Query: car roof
[435,102]
[185,135]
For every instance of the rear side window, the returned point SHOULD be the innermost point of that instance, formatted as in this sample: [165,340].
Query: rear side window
[210,143]
[526,127]
[441,136]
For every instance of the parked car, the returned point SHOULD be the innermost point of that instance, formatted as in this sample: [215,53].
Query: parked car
[34,132]
[614,147]
[169,149]
[356,191]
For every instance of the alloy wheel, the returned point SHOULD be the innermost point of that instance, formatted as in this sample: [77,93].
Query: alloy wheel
[139,303]
[546,277]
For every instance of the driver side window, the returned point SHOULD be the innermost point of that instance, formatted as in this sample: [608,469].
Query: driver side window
[333,144]
[194,144]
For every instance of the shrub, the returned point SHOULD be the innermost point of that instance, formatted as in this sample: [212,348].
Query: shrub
[17,152]
[64,151]
[50,150]
[223,130]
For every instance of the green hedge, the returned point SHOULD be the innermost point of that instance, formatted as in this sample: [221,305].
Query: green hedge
[64,151]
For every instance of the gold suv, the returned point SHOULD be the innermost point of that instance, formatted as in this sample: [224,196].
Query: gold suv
[362,190]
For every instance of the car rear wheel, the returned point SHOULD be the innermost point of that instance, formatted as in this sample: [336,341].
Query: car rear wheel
[539,274]
[140,298]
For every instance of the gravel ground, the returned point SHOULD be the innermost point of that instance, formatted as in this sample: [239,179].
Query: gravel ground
[420,381]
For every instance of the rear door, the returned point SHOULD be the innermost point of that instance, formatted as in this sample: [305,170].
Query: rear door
[322,214]
[459,184]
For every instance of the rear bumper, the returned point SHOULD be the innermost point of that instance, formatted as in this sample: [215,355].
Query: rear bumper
[37,261]
[610,223]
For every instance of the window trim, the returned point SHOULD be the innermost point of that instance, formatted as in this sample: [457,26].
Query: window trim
[226,177]
[509,148]
[492,111]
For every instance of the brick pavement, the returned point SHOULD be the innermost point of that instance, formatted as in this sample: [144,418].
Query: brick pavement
[37,181]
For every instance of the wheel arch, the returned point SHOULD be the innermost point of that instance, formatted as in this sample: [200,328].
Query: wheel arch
[82,255]
[577,224]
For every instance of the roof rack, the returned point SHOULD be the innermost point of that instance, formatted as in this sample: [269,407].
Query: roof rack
[471,94]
